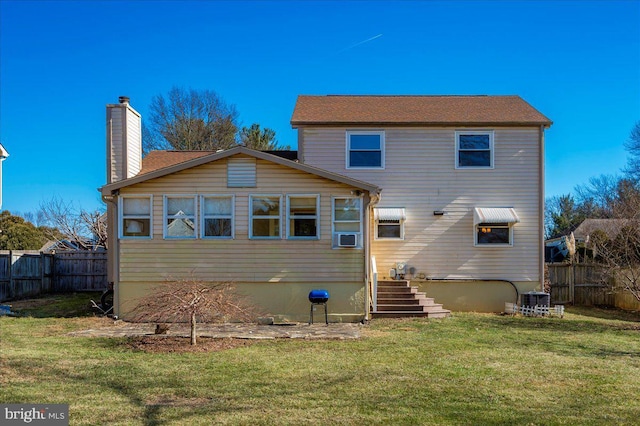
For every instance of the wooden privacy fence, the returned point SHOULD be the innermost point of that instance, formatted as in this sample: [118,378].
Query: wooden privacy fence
[586,285]
[29,273]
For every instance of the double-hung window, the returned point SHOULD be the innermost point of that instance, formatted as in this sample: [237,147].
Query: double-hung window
[365,150]
[302,216]
[474,149]
[135,216]
[264,220]
[217,216]
[347,222]
[179,216]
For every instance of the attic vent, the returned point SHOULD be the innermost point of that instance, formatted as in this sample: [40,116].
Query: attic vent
[241,173]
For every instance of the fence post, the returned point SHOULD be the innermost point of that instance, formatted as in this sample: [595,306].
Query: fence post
[11,291]
[572,283]
[53,275]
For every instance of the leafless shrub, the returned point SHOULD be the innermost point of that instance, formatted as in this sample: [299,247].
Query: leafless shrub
[192,300]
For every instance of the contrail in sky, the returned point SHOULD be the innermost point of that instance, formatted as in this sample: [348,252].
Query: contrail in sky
[360,42]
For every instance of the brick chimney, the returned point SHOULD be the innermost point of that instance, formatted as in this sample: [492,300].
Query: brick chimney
[124,141]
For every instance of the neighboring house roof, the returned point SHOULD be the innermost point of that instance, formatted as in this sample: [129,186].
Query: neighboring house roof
[156,160]
[611,227]
[67,245]
[164,163]
[415,111]
[53,245]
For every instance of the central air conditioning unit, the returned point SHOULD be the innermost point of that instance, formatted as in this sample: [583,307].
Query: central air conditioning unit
[347,240]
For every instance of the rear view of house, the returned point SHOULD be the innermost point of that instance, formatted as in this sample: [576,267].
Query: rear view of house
[441,193]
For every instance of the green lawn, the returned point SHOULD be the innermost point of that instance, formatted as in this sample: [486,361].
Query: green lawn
[475,369]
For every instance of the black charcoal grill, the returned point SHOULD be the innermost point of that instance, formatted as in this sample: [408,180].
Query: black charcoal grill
[318,297]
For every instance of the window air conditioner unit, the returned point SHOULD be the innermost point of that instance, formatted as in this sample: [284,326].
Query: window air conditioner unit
[347,240]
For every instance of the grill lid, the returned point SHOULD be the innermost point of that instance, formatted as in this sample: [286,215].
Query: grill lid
[318,296]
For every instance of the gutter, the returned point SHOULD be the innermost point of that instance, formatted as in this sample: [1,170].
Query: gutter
[373,200]
[113,253]
[541,207]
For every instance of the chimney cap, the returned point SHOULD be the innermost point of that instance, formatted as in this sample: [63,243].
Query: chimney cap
[123,99]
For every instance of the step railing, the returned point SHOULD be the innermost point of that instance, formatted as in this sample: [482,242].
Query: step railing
[373,285]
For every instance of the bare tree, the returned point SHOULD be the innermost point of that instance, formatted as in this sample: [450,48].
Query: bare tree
[86,229]
[632,145]
[190,120]
[193,300]
[619,256]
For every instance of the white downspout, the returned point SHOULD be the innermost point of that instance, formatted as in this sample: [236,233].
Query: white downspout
[373,200]
[541,206]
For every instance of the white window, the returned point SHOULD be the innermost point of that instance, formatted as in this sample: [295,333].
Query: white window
[365,150]
[474,149]
[347,222]
[135,216]
[302,216]
[179,216]
[264,217]
[494,226]
[217,216]
[389,223]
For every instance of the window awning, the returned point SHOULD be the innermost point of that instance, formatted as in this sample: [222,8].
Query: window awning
[494,215]
[380,213]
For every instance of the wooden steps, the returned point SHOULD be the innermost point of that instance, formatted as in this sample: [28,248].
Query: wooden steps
[397,298]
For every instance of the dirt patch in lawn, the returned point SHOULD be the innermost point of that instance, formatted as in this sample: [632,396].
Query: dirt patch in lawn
[162,344]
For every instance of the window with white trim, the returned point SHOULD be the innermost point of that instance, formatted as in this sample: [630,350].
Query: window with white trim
[135,216]
[217,216]
[179,216]
[389,223]
[474,149]
[302,216]
[493,226]
[264,216]
[347,222]
[365,150]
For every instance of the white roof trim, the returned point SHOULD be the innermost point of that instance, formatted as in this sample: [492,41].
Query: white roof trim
[494,215]
[3,152]
[383,213]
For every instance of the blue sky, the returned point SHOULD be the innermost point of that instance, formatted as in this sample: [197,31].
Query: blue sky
[61,62]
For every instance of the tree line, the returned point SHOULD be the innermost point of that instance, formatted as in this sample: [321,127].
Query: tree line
[608,196]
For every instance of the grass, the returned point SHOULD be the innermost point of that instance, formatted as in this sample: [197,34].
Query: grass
[468,369]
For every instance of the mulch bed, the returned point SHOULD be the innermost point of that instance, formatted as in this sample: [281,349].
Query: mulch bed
[164,344]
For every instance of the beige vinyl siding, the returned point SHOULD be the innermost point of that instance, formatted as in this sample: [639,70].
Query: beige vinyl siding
[134,143]
[420,175]
[294,264]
